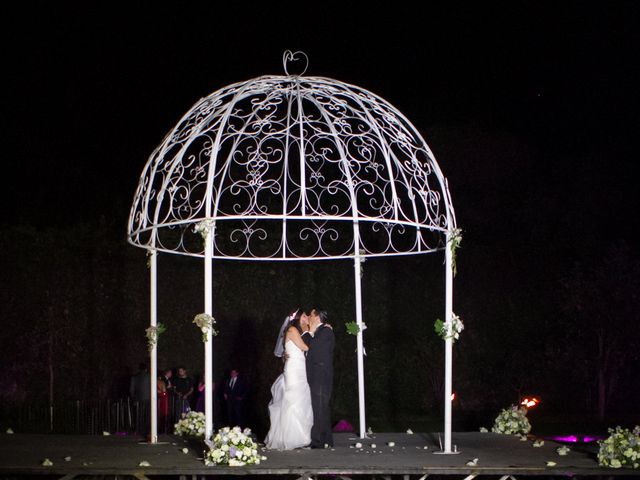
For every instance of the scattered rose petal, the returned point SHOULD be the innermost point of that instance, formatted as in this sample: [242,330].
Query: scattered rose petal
[67,459]
[472,463]
[523,438]
[562,451]
[373,445]
[144,463]
[185,450]
[483,430]
[106,434]
[551,464]
[409,431]
[538,443]
[358,445]
[425,447]
[391,444]
[47,463]
[9,431]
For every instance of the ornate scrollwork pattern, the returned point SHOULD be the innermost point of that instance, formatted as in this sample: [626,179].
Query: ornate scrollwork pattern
[292,167]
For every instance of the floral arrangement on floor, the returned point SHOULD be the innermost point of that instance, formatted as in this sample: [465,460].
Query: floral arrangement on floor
[233,447]
[512,421]
[621,448]
[191,425]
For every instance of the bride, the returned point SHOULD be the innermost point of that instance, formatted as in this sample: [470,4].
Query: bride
[290,407]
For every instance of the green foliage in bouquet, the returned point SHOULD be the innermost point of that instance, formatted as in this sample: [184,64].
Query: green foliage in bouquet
[620,449]
[512,421]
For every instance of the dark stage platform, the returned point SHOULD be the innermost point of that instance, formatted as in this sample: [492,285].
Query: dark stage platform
[498,455]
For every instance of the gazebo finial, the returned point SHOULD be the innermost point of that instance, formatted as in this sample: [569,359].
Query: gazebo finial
[290,58]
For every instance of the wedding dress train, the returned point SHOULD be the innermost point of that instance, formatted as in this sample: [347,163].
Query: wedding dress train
[290,407]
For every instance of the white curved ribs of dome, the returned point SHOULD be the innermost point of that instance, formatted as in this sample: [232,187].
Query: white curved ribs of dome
[291,167]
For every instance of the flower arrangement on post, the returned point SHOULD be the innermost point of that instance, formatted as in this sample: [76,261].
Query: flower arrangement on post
[233,447]
[455,240]
[512,421]
[621,448]
[456,327]
[191,425]
[353,328]
[152,334]
[205,323]
[204,228]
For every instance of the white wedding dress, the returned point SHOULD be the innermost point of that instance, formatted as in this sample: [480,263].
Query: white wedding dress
[290,407]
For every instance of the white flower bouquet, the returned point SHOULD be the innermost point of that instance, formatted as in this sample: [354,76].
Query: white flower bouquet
[233,447]
[191,425]
[206,323]
[512,421]
[620,449]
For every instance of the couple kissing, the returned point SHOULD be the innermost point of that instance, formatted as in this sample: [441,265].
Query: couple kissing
[299,410]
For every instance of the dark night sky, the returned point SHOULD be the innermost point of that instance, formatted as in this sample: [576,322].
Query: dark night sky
[90,89]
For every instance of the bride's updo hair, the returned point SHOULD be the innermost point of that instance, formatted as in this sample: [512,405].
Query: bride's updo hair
[295,321]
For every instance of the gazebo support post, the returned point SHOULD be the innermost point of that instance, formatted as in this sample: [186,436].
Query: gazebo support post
[208,345]
[448,343]
[153,353]
[357,263]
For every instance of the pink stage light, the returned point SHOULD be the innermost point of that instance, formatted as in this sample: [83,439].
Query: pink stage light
[575,438]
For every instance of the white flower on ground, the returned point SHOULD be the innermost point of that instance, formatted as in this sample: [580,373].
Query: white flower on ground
[67,459]
[358,445]
[106,434]
[563,450]
[483,430]
[47,463]
[185,450]
[391,444]
[144,463]
[538,443]
[233,447]
[551,464]
[9,431]
[373,445]
[409,431]
[472,463]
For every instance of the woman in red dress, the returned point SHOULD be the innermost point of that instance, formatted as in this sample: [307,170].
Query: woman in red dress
[163,405]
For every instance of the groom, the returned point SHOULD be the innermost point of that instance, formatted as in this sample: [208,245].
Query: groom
[320,377]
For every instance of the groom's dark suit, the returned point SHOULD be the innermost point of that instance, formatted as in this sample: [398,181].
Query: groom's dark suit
[320,378]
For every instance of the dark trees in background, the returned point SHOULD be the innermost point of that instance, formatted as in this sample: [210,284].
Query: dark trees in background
[602,300]
[74,304]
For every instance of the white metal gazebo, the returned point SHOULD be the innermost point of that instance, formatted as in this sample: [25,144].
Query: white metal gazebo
[293,168]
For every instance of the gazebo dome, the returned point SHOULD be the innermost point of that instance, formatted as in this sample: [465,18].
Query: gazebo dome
[292,167]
